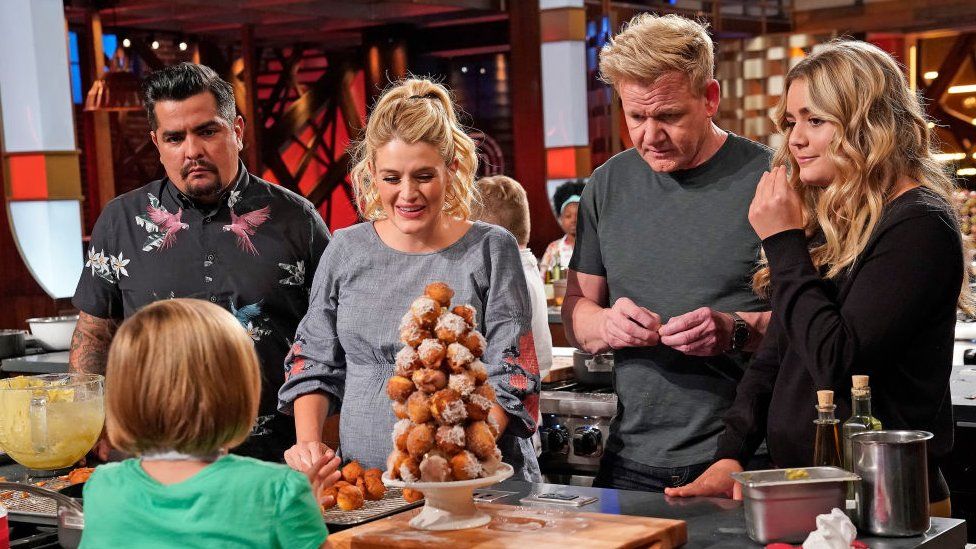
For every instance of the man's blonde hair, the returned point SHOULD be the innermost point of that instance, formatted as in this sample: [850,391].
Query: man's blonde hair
[650,46]
[504,203]
[415,110]
[182,375]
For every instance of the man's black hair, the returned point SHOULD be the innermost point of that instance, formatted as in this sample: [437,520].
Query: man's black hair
[183,80]
[566,190]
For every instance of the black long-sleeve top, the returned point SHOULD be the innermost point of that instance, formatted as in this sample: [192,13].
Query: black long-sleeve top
[891,316]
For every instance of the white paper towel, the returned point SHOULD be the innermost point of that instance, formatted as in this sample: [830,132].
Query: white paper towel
[834,531]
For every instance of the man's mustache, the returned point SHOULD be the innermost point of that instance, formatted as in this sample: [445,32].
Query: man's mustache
[187,168]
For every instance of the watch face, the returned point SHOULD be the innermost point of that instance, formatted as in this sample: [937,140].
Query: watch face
[740,334]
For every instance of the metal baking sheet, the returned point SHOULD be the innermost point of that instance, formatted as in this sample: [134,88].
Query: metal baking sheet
[24,507]
[391,504]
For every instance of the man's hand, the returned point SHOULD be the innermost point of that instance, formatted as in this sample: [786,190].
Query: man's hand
[776,207]
[322,474]
[716,481]
[702,332]
[304,455]
[627,324]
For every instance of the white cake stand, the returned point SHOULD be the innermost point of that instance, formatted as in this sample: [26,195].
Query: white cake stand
[450,505]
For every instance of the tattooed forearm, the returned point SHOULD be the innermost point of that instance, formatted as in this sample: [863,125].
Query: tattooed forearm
[90,343]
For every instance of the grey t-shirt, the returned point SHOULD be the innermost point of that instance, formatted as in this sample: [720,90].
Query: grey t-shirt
[673,242]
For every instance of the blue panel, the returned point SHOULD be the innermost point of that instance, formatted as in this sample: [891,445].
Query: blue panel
[73,47]
[76,84]
[109,43]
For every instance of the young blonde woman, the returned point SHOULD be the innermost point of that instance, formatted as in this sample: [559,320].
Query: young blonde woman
[414,180]
[863,264]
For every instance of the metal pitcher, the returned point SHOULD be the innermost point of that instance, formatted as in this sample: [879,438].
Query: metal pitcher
[893,496]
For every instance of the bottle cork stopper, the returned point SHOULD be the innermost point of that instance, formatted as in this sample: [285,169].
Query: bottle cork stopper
[859,382]
[825,398]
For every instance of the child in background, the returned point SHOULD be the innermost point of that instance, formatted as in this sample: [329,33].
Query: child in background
[566,202]
[182,387]
[504,203]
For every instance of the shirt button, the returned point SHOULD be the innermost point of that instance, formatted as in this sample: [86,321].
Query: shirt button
[206,220]
[213,299]
[210,257]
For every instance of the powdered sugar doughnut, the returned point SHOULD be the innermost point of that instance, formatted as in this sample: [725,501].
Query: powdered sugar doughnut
[439,292]
[418,407]
[420,440]
[399,388]
[432,352]
[493,425]
[400,410]
[458,357]
[477,407]
[465,466]
[450,439]
[463,383]
[468,313]
[478,372]
[411,332]
[410,469]
[435,468]
[479,439]
[492,462]
[401,430]
[430,380]
[475,342]
[426,311]
[450,327]
[447,407]
[486,391]
[407,362]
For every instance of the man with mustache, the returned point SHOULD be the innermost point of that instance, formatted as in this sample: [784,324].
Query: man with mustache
[208,230]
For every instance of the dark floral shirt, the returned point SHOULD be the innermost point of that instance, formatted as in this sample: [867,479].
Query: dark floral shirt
[253,253]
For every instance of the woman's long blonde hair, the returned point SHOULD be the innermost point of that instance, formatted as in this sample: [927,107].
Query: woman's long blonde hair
[881,135]
[416,110]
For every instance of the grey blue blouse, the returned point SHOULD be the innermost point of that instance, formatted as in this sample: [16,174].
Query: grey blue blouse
[346,344]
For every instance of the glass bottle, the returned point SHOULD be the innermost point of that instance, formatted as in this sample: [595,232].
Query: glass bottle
[826,444]
[861,419]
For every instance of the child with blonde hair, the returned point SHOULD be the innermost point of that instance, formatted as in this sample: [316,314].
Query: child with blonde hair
[182,388]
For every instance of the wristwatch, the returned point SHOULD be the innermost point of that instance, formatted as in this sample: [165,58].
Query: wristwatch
[740,333]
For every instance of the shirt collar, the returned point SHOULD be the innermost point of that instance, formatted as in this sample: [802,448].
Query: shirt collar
[228,196]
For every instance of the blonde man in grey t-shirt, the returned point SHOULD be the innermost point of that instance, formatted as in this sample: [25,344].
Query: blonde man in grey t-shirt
[663,257]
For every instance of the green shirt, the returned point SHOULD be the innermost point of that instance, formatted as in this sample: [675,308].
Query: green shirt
[233,502]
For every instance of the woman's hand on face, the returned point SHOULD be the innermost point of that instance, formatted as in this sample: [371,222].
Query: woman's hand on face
[716,481]
[323,474]
[776,206]
[304,455]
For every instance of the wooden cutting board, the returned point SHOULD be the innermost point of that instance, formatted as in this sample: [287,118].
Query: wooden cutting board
[521,528]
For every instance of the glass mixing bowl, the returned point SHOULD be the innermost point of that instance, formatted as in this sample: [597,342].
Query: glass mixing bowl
[51,421]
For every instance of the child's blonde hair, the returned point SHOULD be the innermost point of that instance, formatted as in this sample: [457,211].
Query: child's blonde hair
[416,110]
[182,375]
[503,202]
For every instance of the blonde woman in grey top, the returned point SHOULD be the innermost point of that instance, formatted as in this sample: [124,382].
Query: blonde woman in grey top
[414,181]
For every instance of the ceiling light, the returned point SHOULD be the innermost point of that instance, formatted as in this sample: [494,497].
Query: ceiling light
[947,157]
[931,75]
[154,45]
[968,88]
[126,42]
[966,171]
[482,70]
[183,46]
[464,69]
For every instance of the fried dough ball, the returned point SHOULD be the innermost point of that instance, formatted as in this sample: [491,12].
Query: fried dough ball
[465,466]
[407,362]
[349,498]
[447,407]
[399,388]
[477,407]
[418,407]
[492,462]
[401,430]
[450,327]
[493,425]
[430,380]
[340,483]
[426,311]
[475,342]
[352,471]
[332,492]
[478,372]
[420,440]
[431,352]
[400,410]
[410,470]
[458,357]
[468,313]
[374,489]
[479,439]
[486,391]
[435,468]
[411,495]
[411,332]
[463,383]
[439,292]
[393,463]
[374,472]
[450,439]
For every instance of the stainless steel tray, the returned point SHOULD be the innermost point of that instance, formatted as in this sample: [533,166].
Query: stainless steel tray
[24,507]
[391,504]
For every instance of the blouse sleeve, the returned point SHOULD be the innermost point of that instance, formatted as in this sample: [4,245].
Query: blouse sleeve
[316,361]
[510,357]
[911,275]
[299,521]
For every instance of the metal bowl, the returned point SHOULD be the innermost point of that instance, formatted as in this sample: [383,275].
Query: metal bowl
[12,343]
[53,333]
[593,369]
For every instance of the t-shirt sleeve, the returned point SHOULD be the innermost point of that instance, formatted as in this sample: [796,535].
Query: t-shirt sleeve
[587,256]
[299,522]
[98,292]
